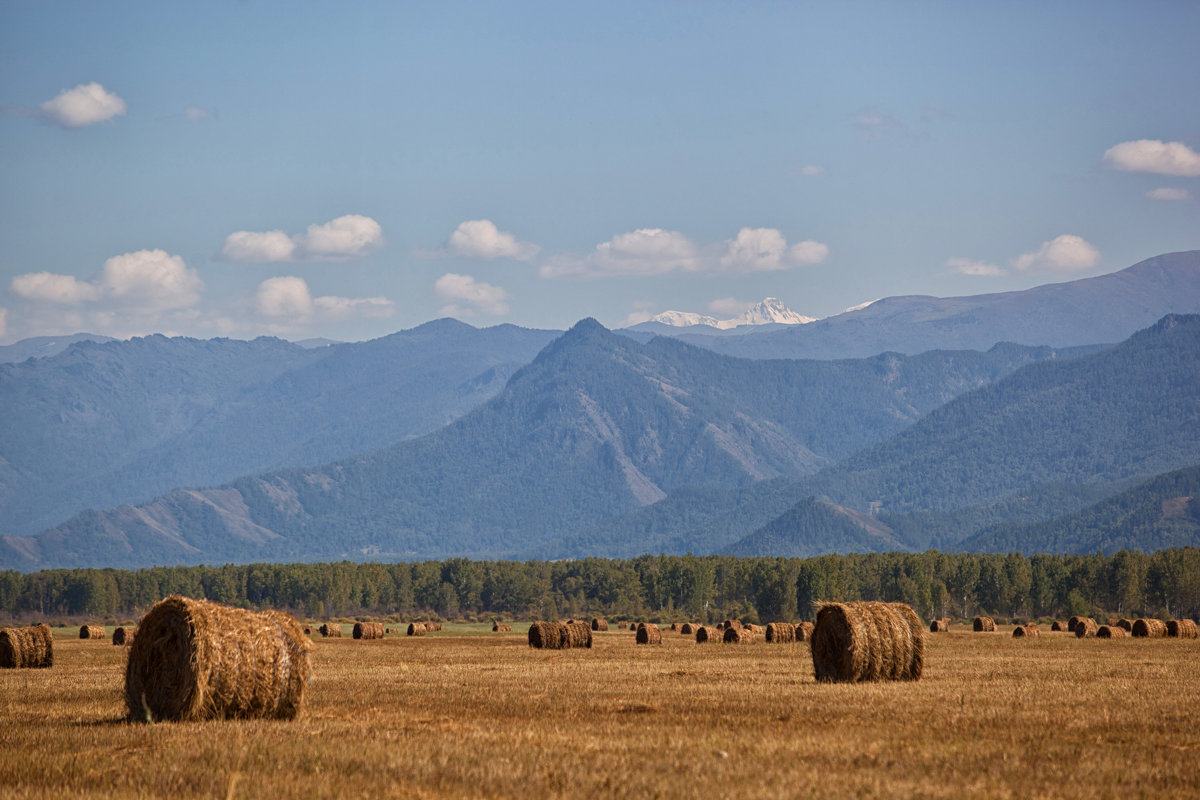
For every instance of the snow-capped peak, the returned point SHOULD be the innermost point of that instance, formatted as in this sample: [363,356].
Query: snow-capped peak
[770,310]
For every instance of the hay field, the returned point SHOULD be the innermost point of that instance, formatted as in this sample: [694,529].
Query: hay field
[450,715]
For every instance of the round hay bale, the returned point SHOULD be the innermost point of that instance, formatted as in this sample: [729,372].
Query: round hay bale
[599,624]
[706,634]
[368,630]
[732,623]
[1072,622]
[1058,626]
[781,633]
[675,627]
[123,636]
[687,629]
[416,629]
[1086,628]
[560,635]
[91,632]
[1111,632]
[1182,629]
[1025,631]
[1127,624]
[31,647]
[649,634]
[433,626]
[738,636]
[804,631]
[983,625]
[331,629]
[198,660]
[579,634]
[757,630]
[939,626]
[868,642]
[720,626]
[1149,628]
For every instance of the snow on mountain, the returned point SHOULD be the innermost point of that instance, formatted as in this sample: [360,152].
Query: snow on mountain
[770,311]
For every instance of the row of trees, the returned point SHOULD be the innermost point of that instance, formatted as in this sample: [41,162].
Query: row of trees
[698,588]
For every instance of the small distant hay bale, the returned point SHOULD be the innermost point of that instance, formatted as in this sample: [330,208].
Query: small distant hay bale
[1182,629]
[1025,631]
[705,634]
[1149,628]
[687,629]
[804,631]
[1086,628]
[1127,624]
[497,627]
[198,660]
[868,642]
[1072,622]
[939,626]
[599,624]
[732,623]
[720,626]
[307,631]
[123,636]
[331,629]
[431,626]
[31,647]
[622,625]
[1111,632]
[1058,626]
[738,636]
[417,629]
[675,627]
[758,630]
[368,630]
[983,625]
[649,634]
[781,633]
[91,632]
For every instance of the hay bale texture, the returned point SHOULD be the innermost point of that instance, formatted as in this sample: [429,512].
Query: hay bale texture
[706,634]
[729,623]
[599,624]
[1025,631]
[333,629]
[198,660]
[1086,628]
[1182,629]
[417,629]
[1058,626]
[560,635]
[687,629]
[983,625]
[939,626]
[804,631]
[31,647]
[123,636]
[91,632]
[738,636]
[1111,632]
[781,632]
[1127,624]
[1149,628]
[868,642]
[648,633]
[368,630]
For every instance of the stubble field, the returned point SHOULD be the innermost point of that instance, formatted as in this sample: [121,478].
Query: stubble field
[464,713]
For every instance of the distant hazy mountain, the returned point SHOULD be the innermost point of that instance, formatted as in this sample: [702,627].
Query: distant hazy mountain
[1108,308]
[596,425]
[123,421]
[44,346]
[770,311]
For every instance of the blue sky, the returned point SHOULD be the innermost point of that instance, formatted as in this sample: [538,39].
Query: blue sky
[347,170]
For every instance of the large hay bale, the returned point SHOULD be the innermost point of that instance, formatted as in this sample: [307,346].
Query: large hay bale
[331,629]
[687,629]
[1072,622]
[738,636]
[868,642]
[560,635]
[198,660]
[417,629]
[649,634]
[368,630]
[1149,628]
[123,636]
[1086,628]
[91,632]
[983,625]
[706,634]
[804,631]
[781,632]
[1058,626]
[30,647]
[1025,631]
[1182,629]
[1127,624]
[579,634]
[939,626]
[599,624]
[1111,632]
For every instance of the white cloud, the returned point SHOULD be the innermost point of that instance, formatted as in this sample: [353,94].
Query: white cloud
[86,104]
[643,310]
[965,266]
[729,306]
[349,236]
[464,296]
[765,249]
[1064,253]
[1168,193]
[287,300]
[150,280]
[1151,155]
[480,238]
[53,288]
[286,296]
[258,248]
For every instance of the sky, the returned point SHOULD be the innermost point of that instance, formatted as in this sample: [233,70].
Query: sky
[346,170]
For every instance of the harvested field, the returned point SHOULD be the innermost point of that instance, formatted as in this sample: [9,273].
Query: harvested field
[469,714]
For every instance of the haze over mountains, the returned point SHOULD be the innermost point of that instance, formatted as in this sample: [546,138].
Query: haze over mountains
[604,444]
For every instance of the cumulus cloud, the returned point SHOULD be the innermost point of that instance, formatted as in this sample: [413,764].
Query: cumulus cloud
[1064,253]
[480,238]
[1168,193]
[143,282]
[349,236]
[654,251]
[84,105]
[729,306]
[287,299]
[1151,155]
[965,266]
[464,296]
[53,288]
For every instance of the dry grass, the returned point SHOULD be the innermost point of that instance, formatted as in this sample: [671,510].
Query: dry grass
[486,716]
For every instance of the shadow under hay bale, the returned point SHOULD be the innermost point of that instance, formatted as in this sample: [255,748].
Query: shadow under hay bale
[804,631]
[705,634]
[331,629]
[599,624]
[738,636]
[1111,632]
[868,642]
[983,625]
[31,647]
[648,633]
[1149,628]
[198,660]
[1025,631]
[939,626]
[1182,629]
[368,630]
[123,636]
[91,632]
[781,633]
[1086,628]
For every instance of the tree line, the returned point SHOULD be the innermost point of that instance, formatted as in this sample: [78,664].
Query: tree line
[697,588]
